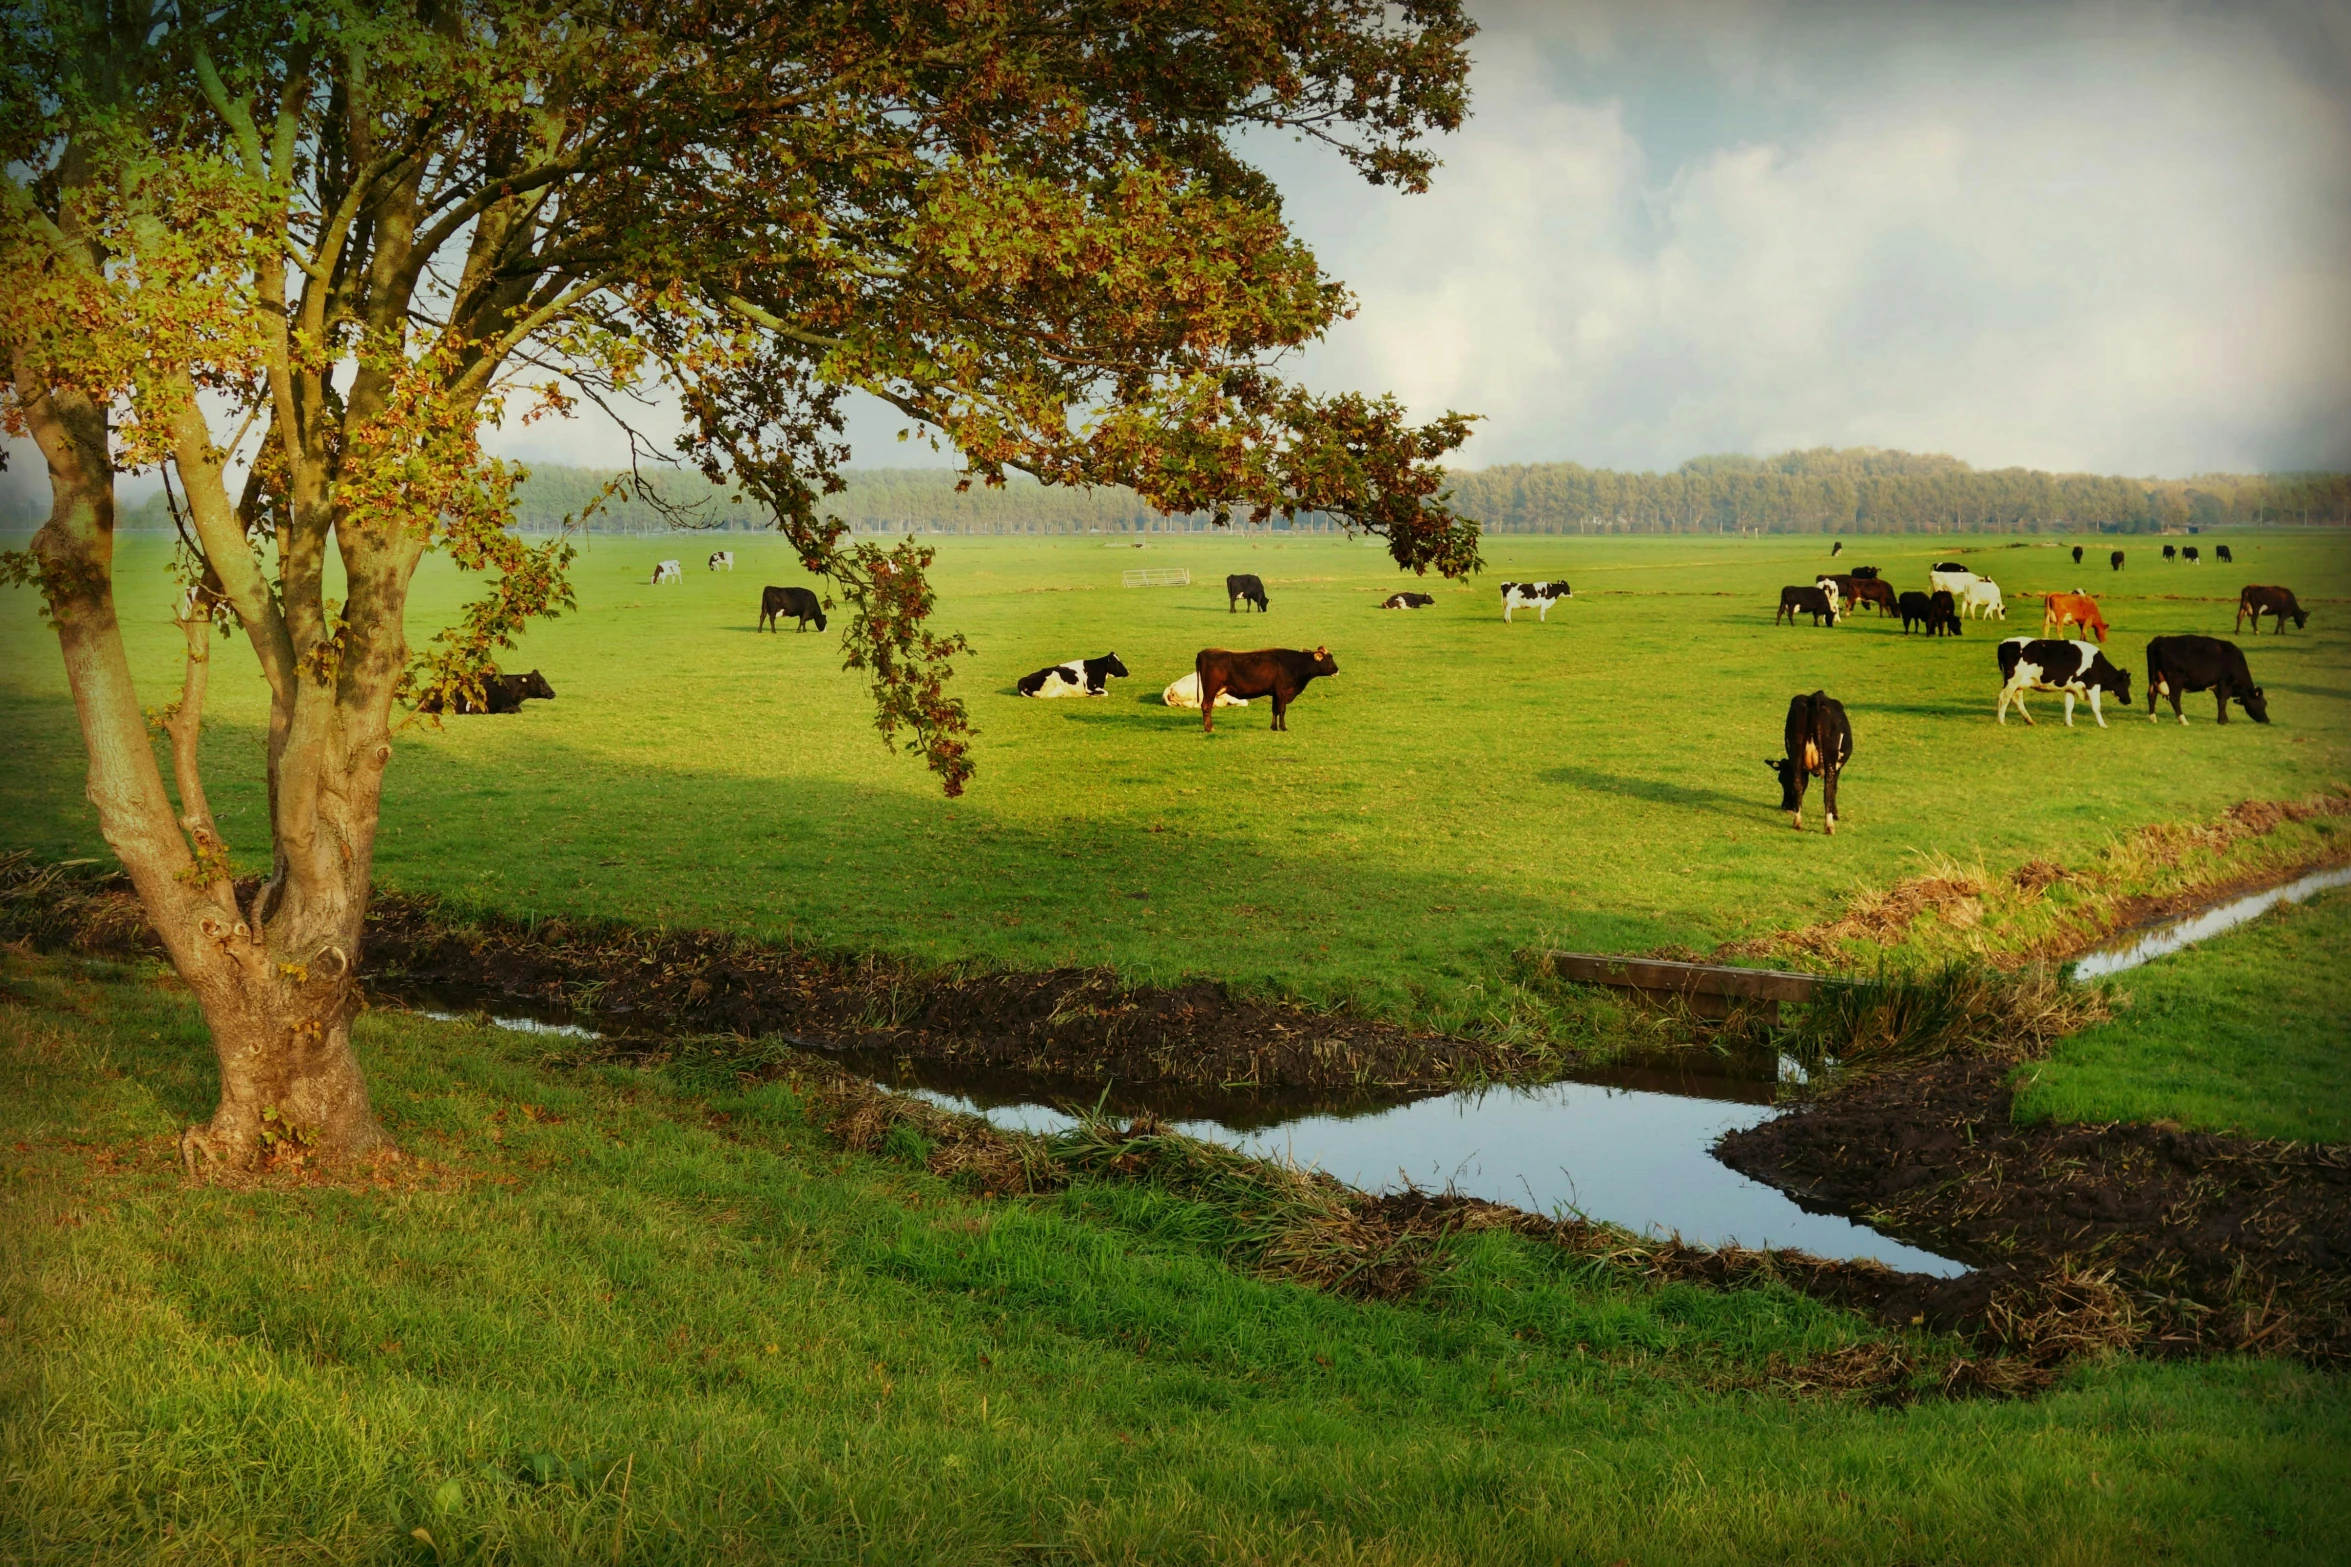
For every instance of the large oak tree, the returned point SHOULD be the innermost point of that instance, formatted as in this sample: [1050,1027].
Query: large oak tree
[297,253]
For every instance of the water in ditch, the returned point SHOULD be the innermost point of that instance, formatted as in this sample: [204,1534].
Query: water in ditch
[2162,940]
[1630,1145]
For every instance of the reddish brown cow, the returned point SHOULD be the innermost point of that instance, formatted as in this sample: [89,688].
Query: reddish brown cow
[1278,672]
[2059,610]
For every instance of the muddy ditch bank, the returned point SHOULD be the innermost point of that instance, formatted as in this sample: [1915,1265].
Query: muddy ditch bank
[1075,1024]
[2153,1238]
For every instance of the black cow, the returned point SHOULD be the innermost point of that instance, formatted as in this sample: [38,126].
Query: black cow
[1946,565]
[2171,552]
[799,603]
[2079,669]
[1836,549]
[1278,672]
[1864,574]
[1820,743]
[1244,587]
[2115,560]
[1407,601]
[500,694]
[2191,557]
[2178,665]
[2077,554]
[1942,614]
[1815,602]
[1916,610]
[1078,677]
[2220,552]
[2258,602]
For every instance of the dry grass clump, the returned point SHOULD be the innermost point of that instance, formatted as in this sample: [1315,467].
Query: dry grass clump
[69,906]
[2070,1309]
[1955,1008]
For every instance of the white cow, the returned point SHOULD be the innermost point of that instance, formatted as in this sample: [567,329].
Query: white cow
[2079,669]
[720,558]
[1953,582]
[1186,693]
[1983,598]
[668,571]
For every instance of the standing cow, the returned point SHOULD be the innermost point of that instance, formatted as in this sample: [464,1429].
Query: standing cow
[1244,588]
[2114,561]
[2079,669]
[2220,552]
[1815,602]
[1836,549]
[2171,552]
[2178,665]
[2077,554]
[722,560]
[2258,602]
[668,571]
[2191,557]
[799,603]
[1278,672]
[1537,596]
[1942,614]
[1820,743]
[2060,610]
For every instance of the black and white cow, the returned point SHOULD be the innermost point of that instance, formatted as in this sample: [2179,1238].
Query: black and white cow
[2191,557]
[1537,596]
[1836,549]
[2178,665]
[1816,602]
[2079,669]
[1078,677]
[1407,601]
[722,559]
[1820,743]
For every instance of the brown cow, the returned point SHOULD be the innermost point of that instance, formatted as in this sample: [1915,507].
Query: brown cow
[2257,602]
[1278,672]
[2059,610]
[1869,590]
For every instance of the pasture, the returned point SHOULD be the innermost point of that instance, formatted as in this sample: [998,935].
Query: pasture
[1460,790]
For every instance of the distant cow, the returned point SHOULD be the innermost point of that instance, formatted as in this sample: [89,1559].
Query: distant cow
[1078,677]
[2079,669]
[1942,614]
[799,603]
[1184,691]
[2220,552]
[1916,610]
[500,694]
[1836,549]
[1278,672]
[2115,560]
[1815,602]
[722,559]
[2191,557]
[1820,743]
[2060,610]
[2077,554]
[2171,552]
[1865,574]
[668,571]
[1407,601]
[2258,602]
[1537,596]
[2178,665]
[1243,587]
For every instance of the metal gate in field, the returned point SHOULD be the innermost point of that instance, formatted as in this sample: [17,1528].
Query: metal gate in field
[1158,577]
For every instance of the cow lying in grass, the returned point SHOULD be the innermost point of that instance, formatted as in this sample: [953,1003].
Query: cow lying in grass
[1185,692]
[1407,601]
[1078,677]
[1278,672]
[500,694]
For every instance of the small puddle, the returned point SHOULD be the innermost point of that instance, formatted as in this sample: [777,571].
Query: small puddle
[2171,936]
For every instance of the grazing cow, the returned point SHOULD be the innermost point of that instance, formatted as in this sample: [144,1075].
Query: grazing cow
[1184,691]
[2220,552]
[1836,549]
[1917,610]
[2077,554]
[799,603]
[1815,602]
[1865,574]
[2178,665]
[1820,743]
[1407,601]
[1983,598]
[1244,587]
[1078,677]
[2079,669]
[2171,552]
[725,558]
[1953,580]
[1869,590]
[2191,557]
[500,694]
[1278,672]
[2060,610]
[1942,614]
[668,571]
[2258,602]
[1537,596]
[2115,560]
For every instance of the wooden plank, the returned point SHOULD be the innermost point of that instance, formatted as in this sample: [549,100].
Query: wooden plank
[1660,976]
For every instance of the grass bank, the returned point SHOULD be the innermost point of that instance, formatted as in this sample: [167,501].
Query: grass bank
[2248,1032]
[1461,791]
[597,1311]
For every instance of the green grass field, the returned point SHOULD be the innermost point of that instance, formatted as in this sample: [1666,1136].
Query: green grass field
[1461,789]
[2247,1032]
[591,1322]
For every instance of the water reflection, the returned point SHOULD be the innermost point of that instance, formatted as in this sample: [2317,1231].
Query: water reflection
[2166,939]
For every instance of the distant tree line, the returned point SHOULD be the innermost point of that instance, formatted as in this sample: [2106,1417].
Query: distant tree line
[1863,490]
